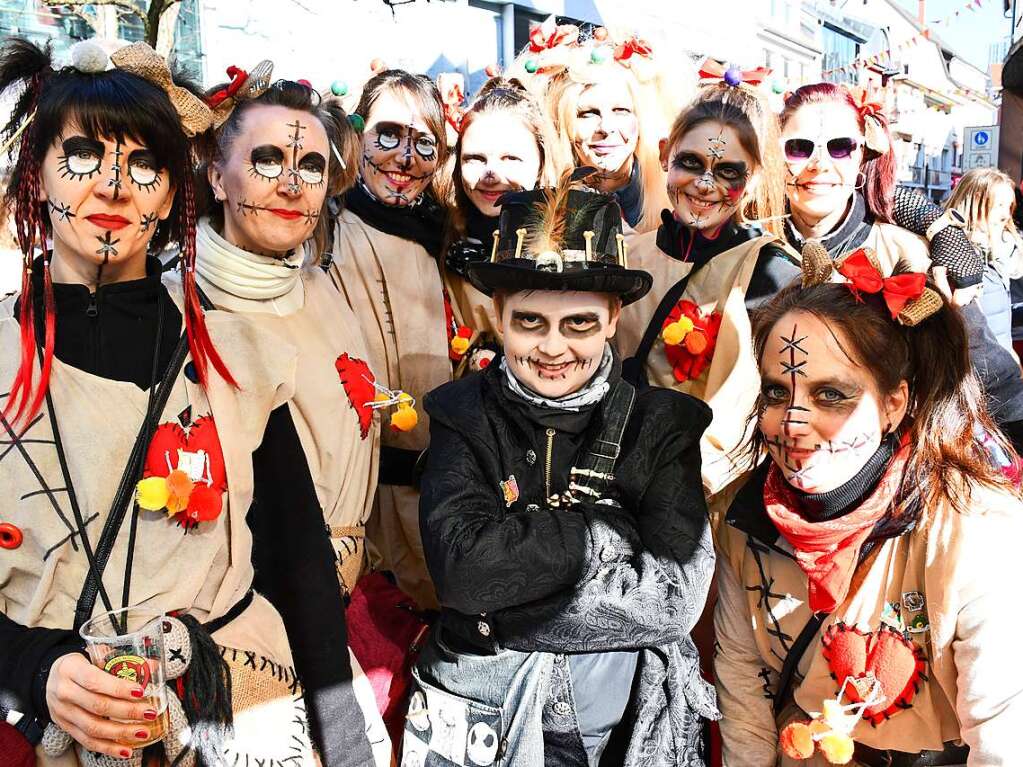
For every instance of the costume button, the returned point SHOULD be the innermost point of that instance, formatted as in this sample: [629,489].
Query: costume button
[561,708]
[530,457]
[484,628]
[10,536]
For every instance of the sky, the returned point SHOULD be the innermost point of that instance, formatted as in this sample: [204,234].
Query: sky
[972,31]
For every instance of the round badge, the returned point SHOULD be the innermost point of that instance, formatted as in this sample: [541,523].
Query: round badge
[134,668]
[481,746]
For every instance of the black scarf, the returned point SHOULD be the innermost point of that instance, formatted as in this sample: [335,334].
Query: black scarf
[820,507]
[682,243]
[847,236]
[422,222]
[630,197]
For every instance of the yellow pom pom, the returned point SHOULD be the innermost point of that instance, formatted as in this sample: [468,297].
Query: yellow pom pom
[837,748]
[676,331]
[405,418]
[832,712]
[818,727]
[152,493]
[795,741]
[404,400]
[381,396]
[459,345]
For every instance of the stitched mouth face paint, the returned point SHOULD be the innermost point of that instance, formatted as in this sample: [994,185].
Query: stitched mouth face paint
[554,341]
[708,172]
[399,153]
[820,415]
[274,180]
[105,197]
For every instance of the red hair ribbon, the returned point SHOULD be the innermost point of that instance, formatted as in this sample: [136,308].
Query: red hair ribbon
[550,34]
[712,70]
[452,98]
[865,101]
[238,78]
[634,46]
[897,290]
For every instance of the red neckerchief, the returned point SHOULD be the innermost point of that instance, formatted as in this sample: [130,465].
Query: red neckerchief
[828,551]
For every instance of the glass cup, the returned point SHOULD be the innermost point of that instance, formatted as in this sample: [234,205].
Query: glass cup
[128,643]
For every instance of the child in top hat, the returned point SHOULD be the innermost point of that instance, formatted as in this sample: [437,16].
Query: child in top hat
[563,520]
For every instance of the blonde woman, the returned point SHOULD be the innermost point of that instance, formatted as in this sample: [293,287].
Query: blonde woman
[985,198]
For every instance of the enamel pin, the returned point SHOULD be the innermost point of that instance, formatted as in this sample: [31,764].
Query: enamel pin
[510,490]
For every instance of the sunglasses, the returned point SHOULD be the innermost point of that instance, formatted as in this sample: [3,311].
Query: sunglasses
[802,149]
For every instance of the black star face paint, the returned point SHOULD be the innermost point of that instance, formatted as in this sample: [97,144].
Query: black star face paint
[273,180]
[819,413]
[708,172]
[554,341]
[105,197]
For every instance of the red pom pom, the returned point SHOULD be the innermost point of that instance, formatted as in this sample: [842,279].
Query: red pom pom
[204,504]
[376,65]
[492,70]
[306,83]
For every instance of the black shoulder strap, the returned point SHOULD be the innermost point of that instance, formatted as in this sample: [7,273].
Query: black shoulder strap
[596,467]
[634,368]
[796,652]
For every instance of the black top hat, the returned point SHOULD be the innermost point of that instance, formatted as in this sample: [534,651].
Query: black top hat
[564,238]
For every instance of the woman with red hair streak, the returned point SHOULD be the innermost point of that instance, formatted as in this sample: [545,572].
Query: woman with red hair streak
[840,189]
[137,426]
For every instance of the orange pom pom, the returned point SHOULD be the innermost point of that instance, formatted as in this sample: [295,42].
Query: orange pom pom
[179,483]
[492,70]
[600,33]
[459,345]
[404,419]
[796,741]
[376,65]
[696,342]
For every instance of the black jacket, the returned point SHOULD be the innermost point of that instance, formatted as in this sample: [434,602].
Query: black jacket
[589,578]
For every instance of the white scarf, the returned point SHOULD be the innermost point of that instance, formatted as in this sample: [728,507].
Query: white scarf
[592,392]
[244,275]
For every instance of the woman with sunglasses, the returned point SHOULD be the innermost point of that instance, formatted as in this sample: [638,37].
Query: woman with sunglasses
[840,188]
[709,265]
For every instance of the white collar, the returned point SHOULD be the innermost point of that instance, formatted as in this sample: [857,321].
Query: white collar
[242,281]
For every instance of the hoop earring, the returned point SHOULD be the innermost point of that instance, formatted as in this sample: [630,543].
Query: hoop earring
[860,184]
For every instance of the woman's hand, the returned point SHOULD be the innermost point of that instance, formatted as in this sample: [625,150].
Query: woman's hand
[957,297]
[83,701]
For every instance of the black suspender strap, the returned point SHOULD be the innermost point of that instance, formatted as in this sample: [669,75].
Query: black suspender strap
[796,652]
[634,368]
[595,469]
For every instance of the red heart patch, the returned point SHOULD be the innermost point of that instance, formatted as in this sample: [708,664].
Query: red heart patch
[357,380]
[204,503]
[895,661]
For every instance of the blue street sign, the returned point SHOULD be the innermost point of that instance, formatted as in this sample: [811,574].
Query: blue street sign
[981,137]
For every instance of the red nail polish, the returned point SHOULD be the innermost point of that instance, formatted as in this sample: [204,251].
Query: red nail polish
[141,734]
[137,693]
[149,716]
[125,754]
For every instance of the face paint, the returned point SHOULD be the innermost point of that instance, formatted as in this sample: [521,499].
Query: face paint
[820,186]
[708,173]
[399,153]
[821,416]
[605,130]
[497,154]
[554,341]
[273,180]
[104,198]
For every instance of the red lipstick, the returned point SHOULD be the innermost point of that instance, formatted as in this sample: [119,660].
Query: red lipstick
[107,221]
[285,213]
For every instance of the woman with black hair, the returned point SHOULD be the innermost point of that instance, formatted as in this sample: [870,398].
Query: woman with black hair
[277,154]
[137,423]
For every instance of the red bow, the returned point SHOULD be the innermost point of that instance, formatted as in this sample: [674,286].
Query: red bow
[549,35]
[712,70]
[238,78]
[865,103]
[897,290]
[634,46]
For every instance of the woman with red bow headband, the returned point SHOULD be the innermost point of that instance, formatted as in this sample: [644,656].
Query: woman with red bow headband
[857,620]
[840,190]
